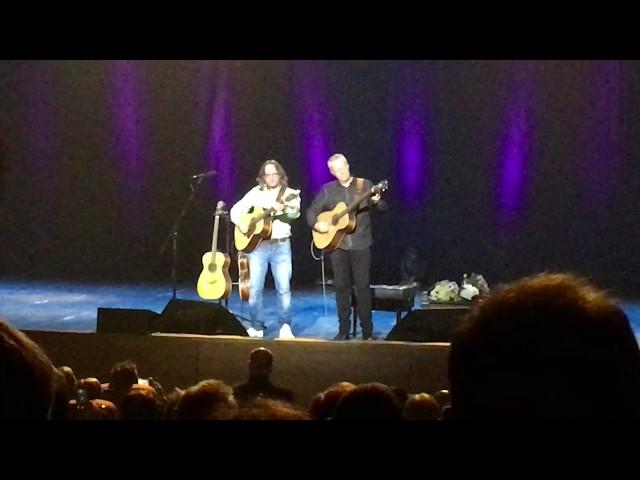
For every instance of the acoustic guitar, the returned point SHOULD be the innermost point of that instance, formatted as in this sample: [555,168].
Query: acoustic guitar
[342,219]
[243,276]
[256,225]
[214,282]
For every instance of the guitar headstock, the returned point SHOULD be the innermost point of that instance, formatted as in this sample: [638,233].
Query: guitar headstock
[380,187]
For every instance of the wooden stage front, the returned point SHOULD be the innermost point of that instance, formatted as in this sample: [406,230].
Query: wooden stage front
[306,366]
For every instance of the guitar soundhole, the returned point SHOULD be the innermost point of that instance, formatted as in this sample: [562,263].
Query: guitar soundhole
[211,268]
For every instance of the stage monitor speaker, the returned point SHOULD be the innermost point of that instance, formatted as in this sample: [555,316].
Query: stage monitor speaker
[431,324]
[126,320]
[200,318]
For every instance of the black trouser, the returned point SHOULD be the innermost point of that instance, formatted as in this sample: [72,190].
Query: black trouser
[351,268]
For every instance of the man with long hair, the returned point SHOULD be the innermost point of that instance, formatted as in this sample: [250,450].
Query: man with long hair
[270,193]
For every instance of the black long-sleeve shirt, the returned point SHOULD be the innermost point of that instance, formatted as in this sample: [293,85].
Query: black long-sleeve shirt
[257,387]
[331,194]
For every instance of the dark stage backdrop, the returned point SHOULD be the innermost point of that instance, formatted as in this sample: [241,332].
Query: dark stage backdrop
[500,167]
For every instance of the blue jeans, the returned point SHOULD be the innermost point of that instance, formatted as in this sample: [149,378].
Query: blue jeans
[278,255]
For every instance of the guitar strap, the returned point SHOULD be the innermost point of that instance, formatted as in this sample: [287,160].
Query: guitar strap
[359,186]
[280,195]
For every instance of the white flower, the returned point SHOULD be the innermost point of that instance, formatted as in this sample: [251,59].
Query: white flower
[444,291]
[469,291]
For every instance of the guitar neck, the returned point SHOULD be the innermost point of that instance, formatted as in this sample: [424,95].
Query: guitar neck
[352,206]
[214,241]
[268,211]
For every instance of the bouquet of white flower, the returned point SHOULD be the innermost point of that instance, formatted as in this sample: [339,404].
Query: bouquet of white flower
[468,292]
[471,288]
[445,291]
[479,282]
[473,285]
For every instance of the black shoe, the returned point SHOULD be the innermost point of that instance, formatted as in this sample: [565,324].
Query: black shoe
[369,337]
[341,336]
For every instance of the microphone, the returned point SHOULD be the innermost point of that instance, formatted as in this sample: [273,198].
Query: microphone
[220,208]
[210,173]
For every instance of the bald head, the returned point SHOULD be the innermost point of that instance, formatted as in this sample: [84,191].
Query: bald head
[260,362]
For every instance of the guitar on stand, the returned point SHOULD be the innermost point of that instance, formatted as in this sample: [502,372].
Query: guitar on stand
[342,220]
[214,282]
[243,276]
[255,226]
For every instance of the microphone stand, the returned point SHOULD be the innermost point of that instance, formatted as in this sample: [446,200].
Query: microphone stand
[173,236]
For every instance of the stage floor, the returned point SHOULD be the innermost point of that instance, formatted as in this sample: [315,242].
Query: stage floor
[72,307]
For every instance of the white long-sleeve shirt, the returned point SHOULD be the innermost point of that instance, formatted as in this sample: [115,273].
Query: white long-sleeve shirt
[266,198]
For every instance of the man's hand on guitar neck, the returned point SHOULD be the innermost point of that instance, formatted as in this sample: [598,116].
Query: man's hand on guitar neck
[275,207]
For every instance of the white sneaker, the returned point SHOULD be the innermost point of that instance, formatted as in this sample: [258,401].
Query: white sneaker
[255,333]
[285,331]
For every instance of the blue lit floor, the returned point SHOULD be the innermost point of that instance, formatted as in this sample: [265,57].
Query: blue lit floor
[66,306]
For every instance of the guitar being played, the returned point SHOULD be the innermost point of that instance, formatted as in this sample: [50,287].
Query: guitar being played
[340,218]
[255,225]
[331,226]
[263,219]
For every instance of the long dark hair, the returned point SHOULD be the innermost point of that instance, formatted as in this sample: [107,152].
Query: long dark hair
[283,175]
